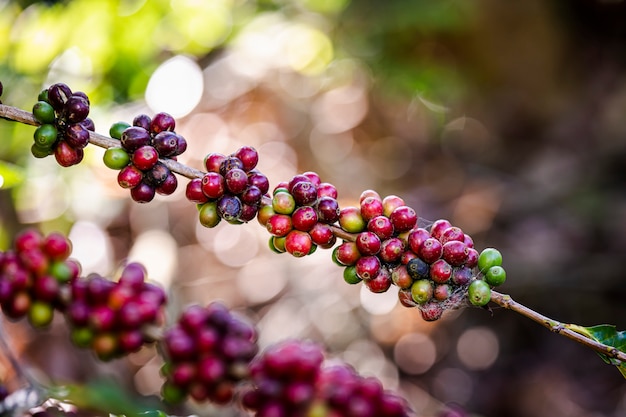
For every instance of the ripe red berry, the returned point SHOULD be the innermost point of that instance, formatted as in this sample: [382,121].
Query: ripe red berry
[248,156]
[145,157]
[129,177]
[194,193]
[327,210]
[322,235]
[438,226]
[326,189]
[304,193]
[380,283]
[213,185]
[260,180]
[252,195]
[304,218]
[416,237]
[279,225]
[162,122]
[368,243]
[166,143]
[440,271]
[452,233]
[236,180]
[400,276]
[67,156]
[298,243]
[390,203]
[381,226]
[403,219]
[391,250]
[455,252]
[143,192]
[347,253]
[213,161]
[430,250]
[371,207]
[367,267]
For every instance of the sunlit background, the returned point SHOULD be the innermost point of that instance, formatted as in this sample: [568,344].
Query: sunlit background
[508,118]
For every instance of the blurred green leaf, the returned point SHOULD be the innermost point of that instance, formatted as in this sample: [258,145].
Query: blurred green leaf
[608,335]
[106,397]
[10,175]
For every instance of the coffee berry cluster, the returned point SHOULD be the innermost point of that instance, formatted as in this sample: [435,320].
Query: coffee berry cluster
[300,214]
[35,276]
[231,189]
[64,125]
[291,378]
[207,353]
[137,156]
[434,266]
[110,317]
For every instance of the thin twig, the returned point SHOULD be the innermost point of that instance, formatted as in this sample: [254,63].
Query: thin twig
[504,300]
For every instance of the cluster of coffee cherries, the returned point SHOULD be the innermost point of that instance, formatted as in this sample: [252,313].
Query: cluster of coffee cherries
[232,189]
[434,267]
[137,156]
[291,378]
[64,125]
[34,276]
[110,317]
[207,352]
[300,215]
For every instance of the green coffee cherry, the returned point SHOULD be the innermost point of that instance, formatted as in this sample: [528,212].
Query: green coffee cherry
[43,95]
[116,129]
[45,136]
[350,276]
[496,275]
[277,244]
[40,314]
[489,257]
[479,293]
[422,291]
[116,158]
[208,215]
[82,337]
[39,152]
[172,394]
[43,112]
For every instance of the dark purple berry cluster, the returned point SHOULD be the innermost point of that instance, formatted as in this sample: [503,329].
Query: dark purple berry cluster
[109,317]
[64,125]
[34,276]
[207,352]
[291,379]
[301,214]
[232,189]
[137,156]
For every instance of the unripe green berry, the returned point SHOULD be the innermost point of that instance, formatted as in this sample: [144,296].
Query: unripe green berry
[116,129]
[46,135]
[496,275]
[479,293]
[350,275]
[489,257]
[82,336]
[39,152]
[40,314]
[43,95]
[61,271]
[116,158]
[422,291]
[208,215]
[283,203]
[172,394]
[277,244]
[43,112]
[351,221]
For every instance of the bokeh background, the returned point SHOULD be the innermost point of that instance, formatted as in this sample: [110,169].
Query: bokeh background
[508,118]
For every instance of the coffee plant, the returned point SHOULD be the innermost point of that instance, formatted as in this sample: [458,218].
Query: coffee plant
[210,353]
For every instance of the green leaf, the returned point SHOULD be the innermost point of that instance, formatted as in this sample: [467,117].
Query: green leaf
[106,397]
[10,175]
[608,335]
